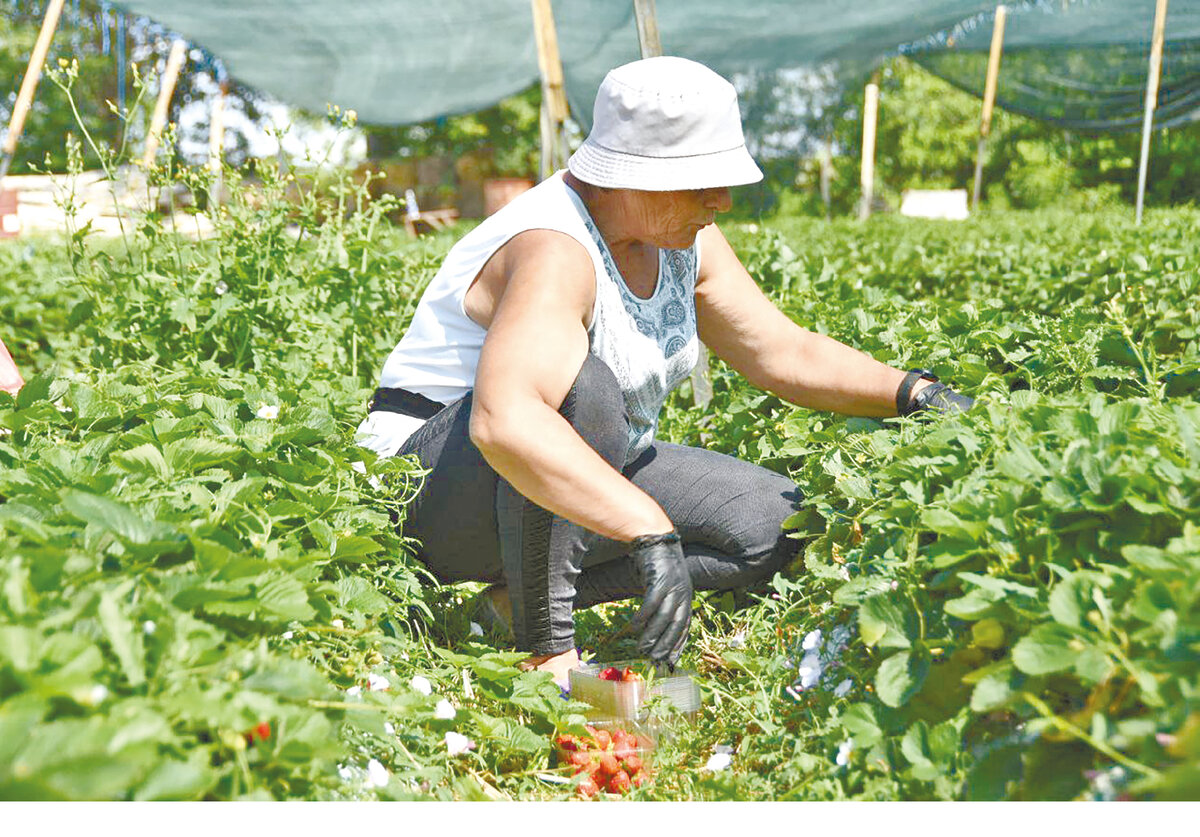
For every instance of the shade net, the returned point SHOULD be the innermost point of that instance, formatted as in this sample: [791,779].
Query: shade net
[1080,63]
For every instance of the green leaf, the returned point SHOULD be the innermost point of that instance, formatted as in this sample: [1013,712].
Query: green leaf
[285,597]
[126,642]
[1045,650]
[145,458]
[994,690]
[886,620]
[900,677]
[112,516]
[859,720]
[358,595]
[176,779]
[196,453]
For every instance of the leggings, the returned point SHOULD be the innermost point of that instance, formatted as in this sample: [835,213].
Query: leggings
[473,526]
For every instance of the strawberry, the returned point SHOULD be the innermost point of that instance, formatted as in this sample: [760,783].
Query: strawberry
[619,783]
[603,739]
[629,675]
[638,779]
[611,673]
[624,747]
[588,786]
[567,742]
[632,764]
[608,764]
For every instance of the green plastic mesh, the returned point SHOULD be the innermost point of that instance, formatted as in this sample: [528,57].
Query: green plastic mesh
[1080,63]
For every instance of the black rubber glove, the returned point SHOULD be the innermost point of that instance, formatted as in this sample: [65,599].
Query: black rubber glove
[941,399]
[666,611]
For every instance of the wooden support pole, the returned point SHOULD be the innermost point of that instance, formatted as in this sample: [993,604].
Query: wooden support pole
[989,100]
[166,89]
[651,47]
[216,130]
[1156,51]
[33,72]
[647,26]
[554,96]
[870,122]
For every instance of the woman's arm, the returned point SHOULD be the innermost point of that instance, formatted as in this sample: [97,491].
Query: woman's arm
[536,343]
[748,332]
[10,379]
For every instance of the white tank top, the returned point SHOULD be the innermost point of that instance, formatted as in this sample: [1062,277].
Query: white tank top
[650,344]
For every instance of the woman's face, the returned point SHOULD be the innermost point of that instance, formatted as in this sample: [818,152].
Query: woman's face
[673,219]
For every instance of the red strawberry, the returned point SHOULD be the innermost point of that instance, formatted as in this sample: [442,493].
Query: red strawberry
[619,783]
[608,764]
[624,747]
[610,673]
[638,779]
[588,786]
[603,739]
[579,758]
[632,765]
[629,675]
[567,742]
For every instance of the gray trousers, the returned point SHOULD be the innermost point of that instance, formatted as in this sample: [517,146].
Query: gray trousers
[473,526]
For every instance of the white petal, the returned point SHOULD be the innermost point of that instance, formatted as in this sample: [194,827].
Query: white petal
[422,685]
[97,694]
[476,629]
[148,627]
[288,634]
[345,772]
[354,691]
[388,728]
[444,711]
[738,640]
[377,774]
[718,761]
[844,750]
[457,743]
[338,623]
[843,688]
[268,411]
[377,683]
[812,640]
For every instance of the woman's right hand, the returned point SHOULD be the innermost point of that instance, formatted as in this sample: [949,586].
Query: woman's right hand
[666,612]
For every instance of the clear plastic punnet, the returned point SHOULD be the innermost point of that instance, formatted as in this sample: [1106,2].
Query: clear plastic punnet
[632,698]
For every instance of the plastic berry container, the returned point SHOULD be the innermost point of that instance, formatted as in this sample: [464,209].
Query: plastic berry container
[628,699]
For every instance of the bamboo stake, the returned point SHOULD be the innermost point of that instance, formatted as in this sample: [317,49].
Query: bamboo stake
[166,89]
[1156,51]
[554,97]
[870,121]
[33,72]
[650,45]
[989,100]
[647,26]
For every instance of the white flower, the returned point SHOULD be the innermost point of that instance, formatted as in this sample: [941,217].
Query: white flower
[468,691]
[843,688]
[457,744]
[377,683]
[388,728]
[444,711]
[812,640]
[148,627]
[268,411]
[345,772]
[718,761]
[738,640]
[96,694]
[843,753]
[354,691]
[422,685]
[895,585]
[338,623]
[809,670]
[476,629]
[377,774]
[221,287]
[288,634]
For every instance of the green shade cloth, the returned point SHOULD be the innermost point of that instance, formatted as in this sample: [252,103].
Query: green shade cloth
[1081,63]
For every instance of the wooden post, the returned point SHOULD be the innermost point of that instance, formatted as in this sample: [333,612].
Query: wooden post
[554,97]
[870,120]
[647,26]
[989,100]
[166,89]
[651,47]
[1156,51]
[33,72]
[216,143]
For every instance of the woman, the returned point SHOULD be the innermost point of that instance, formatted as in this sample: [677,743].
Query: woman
[532,375]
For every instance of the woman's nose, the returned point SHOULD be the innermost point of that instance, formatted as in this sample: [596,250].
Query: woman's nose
[719,199]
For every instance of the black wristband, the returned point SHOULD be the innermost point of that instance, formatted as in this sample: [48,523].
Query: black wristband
[904,393]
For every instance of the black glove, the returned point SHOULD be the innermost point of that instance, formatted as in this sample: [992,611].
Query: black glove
[667,605]
[937,396]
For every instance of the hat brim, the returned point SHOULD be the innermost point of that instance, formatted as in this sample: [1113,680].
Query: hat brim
[592,163]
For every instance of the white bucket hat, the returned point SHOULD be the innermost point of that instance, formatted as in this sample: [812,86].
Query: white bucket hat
[664,124]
